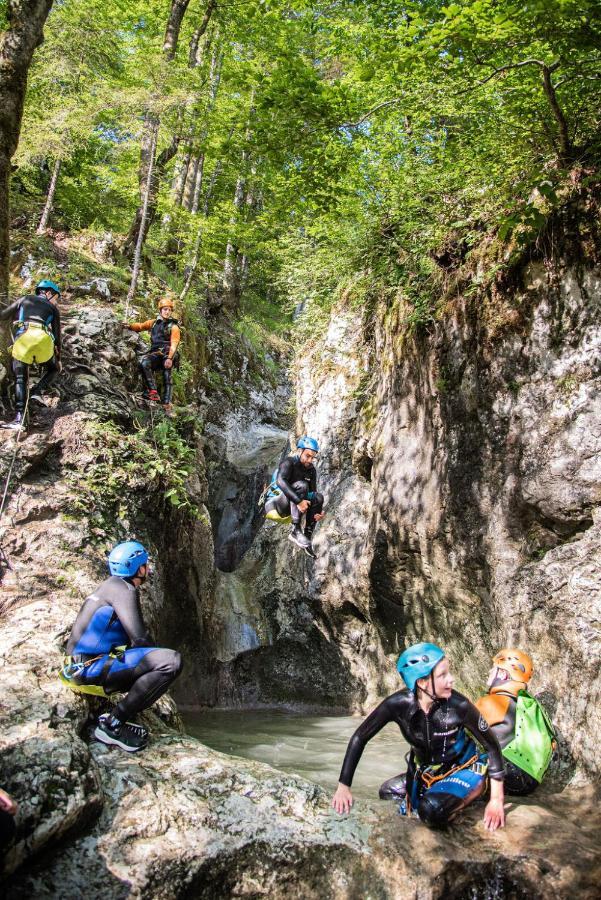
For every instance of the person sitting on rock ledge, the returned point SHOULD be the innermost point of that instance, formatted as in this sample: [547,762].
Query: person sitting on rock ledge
[163,356]
[293,493]
[37,339]
[110,650]
[518,721]
[446,770]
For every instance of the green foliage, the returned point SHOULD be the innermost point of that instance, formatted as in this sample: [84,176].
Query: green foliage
[357,136]
[154,459]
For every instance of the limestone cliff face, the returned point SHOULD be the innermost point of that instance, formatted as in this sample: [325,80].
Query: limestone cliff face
[462,469]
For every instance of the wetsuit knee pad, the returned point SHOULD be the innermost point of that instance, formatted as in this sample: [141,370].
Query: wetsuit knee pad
[395,788]
[436,809]
[317,499]
[301,488]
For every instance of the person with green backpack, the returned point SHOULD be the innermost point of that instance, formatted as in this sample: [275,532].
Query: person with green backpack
[518,721]
[37,339]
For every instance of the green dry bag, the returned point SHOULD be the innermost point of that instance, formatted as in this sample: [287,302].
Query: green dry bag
[532,746]
[34,345]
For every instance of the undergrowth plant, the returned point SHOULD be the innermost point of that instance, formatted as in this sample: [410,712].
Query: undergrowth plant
[153,459]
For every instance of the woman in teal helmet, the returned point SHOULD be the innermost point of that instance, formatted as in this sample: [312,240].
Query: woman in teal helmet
[446,770]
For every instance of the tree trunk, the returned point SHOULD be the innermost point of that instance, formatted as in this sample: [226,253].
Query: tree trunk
[566,150]
[230,267]
[144,216]
[149,191]
[190,270]
[174,24]
[26,19]
[49,199]
[196,52]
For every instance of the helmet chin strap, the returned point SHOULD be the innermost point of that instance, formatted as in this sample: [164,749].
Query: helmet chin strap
[433,695]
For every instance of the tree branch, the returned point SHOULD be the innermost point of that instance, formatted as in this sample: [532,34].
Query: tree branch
[369,113]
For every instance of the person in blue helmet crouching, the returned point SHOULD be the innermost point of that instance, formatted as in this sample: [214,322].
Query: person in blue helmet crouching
[111,651]
[447,771]
[293,494]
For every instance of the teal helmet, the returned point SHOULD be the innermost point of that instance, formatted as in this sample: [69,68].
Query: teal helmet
[418,661]
[126,558]
[47,285]
[307,443]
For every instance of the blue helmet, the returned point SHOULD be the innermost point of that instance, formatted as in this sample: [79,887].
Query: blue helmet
[307,443]
[418,661]
[125,559]
[46,285]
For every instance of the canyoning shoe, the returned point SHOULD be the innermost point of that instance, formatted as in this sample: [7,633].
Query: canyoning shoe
[298,538]
[15,425]
[153,397]
[126,735]
[310,551]
[37,398]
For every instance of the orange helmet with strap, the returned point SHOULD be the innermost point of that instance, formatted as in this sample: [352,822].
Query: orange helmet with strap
[166,302]
[518,667]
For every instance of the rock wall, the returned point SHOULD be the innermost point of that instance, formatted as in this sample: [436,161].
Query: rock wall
[462,470]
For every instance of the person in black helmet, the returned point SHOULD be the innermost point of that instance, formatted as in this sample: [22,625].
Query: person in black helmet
[110,650]
[38,311]
[294,493]
[446,770]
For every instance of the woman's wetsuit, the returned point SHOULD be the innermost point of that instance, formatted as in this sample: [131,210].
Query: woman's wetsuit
[296,483]
[109,635]
[439,745]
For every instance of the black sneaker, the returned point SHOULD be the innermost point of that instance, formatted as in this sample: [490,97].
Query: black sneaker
[298,538]
[17,424]
[37,398]
[310,551]
[125,735]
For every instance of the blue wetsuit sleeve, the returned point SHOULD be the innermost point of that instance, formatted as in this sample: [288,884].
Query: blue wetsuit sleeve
[283,481]
[376,720]
[477,725]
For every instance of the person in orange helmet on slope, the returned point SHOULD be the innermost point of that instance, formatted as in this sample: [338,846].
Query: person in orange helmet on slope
[518,721]
[162,357]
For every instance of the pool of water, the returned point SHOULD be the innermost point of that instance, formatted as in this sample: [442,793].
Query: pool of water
[311,746]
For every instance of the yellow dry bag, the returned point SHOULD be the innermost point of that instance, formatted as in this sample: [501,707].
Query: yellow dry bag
[34,345]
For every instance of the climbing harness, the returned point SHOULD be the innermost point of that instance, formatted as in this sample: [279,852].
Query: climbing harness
[429,778]
[74,669]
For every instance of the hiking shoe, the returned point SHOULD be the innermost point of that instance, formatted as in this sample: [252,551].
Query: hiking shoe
[18,423]
[126,735]
[153,396]
[298,538]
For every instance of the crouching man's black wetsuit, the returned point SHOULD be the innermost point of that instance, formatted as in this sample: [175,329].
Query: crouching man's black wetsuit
[110,620]
[446,770]
[297,483]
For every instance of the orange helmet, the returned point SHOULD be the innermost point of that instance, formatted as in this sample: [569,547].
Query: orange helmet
[165,301]
[518,666]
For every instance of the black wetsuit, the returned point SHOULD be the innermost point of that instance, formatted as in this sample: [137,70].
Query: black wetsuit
[154,360]
[439,744]
[111,618]
[296,483]
[34,308]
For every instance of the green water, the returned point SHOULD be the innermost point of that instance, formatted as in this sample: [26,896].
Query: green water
[311,746]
